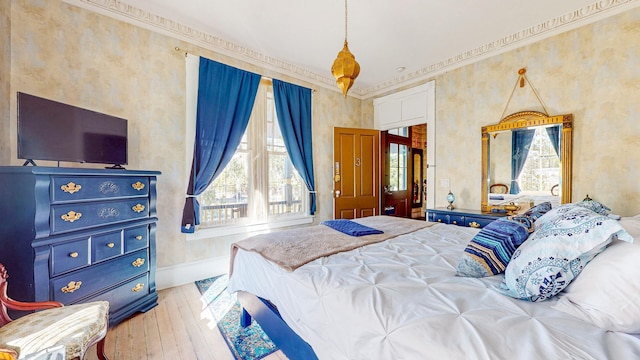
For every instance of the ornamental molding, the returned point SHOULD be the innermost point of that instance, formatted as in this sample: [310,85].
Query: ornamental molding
[133,15]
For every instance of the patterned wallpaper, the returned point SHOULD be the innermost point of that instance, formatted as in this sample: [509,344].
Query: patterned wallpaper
[69,54]
[72,55]
[591,72]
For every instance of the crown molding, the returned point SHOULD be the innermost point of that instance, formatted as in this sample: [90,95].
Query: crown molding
[135,16]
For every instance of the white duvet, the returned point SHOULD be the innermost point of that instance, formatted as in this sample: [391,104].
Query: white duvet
[400,299]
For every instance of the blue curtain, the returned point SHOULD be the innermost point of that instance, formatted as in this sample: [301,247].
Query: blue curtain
[554,136]
[520,143]
[225,99]
[293,107]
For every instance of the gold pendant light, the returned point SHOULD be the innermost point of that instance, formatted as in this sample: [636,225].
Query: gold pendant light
[345,67]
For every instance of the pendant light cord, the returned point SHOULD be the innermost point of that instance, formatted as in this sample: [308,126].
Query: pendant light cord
[345,20]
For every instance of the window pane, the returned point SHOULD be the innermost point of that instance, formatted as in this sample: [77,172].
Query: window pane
[541,169]
[393,167]
[403,131]
[285,194]
[403,155]
[225,200]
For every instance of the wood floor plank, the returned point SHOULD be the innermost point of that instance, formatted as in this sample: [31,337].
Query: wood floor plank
[192,324]
[180,331]
[138,338]
[207,324]
[152,335]
[179,328]
[123,341]
[167,336]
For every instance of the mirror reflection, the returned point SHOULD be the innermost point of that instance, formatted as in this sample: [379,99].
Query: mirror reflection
[526,160]
[525,163]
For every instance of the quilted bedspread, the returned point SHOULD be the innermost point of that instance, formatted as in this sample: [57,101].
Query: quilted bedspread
[400,299]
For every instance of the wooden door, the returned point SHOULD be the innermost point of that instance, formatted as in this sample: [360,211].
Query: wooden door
[397,174]
[356,170]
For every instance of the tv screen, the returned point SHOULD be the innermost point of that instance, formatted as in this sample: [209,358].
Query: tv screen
[50,130]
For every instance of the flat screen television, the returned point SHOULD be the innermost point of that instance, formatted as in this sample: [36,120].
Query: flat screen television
[50,130]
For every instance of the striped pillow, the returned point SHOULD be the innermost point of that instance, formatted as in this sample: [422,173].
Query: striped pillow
[489,252]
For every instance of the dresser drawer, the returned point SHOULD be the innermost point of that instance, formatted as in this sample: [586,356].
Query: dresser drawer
[438,217]
[106,246]
[136,238]
[74,188]
[477,222]
[124,294]
[71,217]
[77,285]
[70,255]
[456,220]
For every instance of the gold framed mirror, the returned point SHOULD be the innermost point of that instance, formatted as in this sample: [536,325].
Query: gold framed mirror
[510,150]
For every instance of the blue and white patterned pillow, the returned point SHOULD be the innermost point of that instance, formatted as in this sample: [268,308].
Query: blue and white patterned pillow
[594,206]
[557,252]
[489,252]
[529,217]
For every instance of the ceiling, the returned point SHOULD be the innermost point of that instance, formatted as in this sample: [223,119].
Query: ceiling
[303,37]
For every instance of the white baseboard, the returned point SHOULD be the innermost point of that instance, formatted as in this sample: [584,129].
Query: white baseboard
[177,275]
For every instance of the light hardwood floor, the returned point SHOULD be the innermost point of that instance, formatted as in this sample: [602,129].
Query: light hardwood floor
[180,327]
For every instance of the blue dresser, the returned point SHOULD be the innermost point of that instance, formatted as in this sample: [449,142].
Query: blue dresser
[78,235]
[462,217]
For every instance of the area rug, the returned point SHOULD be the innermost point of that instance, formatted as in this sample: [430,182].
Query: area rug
[247,343]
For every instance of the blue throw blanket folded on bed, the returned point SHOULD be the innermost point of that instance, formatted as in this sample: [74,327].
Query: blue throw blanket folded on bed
[351,227]
[496,197]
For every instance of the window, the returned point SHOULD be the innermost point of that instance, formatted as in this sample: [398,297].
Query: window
[403,131]
[260,184]
[541,169]
[398,155]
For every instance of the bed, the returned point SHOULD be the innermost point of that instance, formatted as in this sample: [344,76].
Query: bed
[400,298]
[523,198]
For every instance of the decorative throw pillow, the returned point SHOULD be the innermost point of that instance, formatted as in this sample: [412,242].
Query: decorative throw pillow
[529,217]
[594,206]
[557,252]
[490,250]
[603,293]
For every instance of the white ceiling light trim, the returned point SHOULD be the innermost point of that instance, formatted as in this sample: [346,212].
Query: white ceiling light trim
[133,15]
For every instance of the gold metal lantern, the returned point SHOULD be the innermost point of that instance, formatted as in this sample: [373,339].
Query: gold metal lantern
[345,67]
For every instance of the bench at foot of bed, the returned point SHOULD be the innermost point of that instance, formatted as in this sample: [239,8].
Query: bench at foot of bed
[274,326]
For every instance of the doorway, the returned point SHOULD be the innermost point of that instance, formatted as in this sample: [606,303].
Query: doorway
[403,171]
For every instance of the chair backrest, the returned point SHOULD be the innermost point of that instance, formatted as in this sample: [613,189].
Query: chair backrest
[499,189]
[7,302]
[4,316]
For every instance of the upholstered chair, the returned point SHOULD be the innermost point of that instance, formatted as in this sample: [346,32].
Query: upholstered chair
[499,189]
[76,327]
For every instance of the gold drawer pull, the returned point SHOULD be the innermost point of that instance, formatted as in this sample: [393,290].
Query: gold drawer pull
[138,288]
[137,185]
[455,222]
[139,262]
[474,224]
[139,237]
[71,216]
[74,254]
[138,208]
[71,187]
[71,286]
[111,245]
[439,220]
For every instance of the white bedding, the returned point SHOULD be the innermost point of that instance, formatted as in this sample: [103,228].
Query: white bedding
[524,199]
[400,299]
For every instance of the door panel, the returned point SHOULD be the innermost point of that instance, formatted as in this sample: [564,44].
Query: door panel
[356,173]
[397,175]
[368,170]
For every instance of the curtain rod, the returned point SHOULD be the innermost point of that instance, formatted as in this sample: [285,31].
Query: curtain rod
[264,77]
